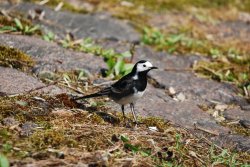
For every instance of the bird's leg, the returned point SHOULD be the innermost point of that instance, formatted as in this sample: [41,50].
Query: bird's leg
[133,112]
[124,116]
[126,124]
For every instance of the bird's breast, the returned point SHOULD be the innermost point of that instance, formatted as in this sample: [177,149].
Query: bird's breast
[130,98]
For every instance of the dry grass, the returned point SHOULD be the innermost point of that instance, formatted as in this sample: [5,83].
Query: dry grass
[70,133]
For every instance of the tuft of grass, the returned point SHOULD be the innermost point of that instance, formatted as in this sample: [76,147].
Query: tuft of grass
[224,71]
[49,36]
[11,57]
[223,157]
[178,43]
[16,25]
[116,62]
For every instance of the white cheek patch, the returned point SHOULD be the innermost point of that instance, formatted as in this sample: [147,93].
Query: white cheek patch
[148,64]
[140,67]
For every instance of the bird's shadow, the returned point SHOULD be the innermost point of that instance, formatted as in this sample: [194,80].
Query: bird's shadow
[110,118]
[93,109]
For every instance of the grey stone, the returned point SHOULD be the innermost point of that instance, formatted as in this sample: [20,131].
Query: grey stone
[13,82]
[97,26]
[239,142]
[51,57]
[236,114]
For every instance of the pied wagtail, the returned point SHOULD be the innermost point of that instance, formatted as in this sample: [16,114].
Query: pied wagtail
[129,88]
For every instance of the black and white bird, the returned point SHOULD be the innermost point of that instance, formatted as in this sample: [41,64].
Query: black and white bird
[129,88]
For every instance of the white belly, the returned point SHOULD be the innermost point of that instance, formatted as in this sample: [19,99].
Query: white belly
[130,99]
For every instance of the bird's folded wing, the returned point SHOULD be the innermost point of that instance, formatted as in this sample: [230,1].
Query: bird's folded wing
[105,91]
[123,86]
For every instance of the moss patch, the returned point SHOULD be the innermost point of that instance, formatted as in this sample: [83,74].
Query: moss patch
[70,133]
[236,128]
[54,138]
[11,57]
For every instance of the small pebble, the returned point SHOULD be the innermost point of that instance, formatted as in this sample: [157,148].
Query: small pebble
[180,97]
[221,107]
[220,119]
[215,114]
[171,91]
[153,128]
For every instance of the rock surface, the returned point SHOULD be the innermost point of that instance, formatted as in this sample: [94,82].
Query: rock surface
[241,143]
[51,57]
[176,71]
[237,114]
[97,26]
[13,81]
[185,113]
[222,30]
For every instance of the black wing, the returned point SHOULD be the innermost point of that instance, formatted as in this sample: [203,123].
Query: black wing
[123,87]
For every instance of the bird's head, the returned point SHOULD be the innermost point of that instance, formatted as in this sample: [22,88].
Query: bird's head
[143,66]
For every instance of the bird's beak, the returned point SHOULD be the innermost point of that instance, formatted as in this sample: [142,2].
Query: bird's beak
[153,68]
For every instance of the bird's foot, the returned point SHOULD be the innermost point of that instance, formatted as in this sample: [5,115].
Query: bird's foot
[127,124]
[135,127]
[131,124]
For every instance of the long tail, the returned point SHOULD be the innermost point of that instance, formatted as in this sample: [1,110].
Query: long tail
[88,96]
[103,92]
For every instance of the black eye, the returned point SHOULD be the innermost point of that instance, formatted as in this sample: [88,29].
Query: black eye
[144,65]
